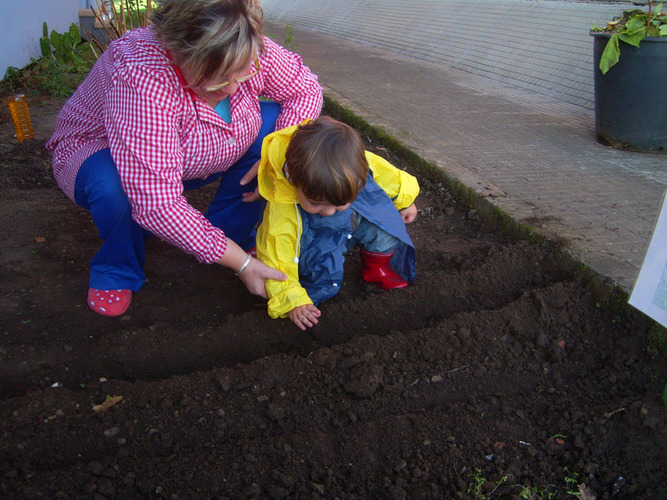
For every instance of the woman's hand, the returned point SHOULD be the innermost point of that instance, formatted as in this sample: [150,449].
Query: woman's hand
[250,175]
[304,316]
[409,214]
[253,273]
[256,273]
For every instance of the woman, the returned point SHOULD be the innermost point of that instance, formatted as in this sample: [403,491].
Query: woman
[169,108]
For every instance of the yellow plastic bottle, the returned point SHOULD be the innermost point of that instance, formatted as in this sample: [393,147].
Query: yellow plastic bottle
[18,107]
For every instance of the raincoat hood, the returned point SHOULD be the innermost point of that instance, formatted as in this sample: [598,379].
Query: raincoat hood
[273,184]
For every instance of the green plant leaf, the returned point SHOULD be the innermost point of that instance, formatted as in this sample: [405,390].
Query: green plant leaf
[635,25]
[60,47]
[74,34]
[633,39]
[64,47]
[610,54]
[44,44]
[45,47]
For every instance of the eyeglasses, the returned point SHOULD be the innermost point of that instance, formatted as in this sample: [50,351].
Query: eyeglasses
[213,88]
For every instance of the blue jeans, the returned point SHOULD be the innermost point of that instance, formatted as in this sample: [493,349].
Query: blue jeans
[372,238]
[119,264]
[325,241]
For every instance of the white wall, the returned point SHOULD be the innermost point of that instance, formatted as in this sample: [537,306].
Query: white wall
[21,27]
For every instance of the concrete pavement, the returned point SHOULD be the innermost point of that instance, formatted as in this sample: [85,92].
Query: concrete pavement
[534,157]
[541,46]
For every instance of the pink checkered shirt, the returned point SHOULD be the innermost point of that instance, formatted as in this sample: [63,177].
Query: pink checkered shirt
[160,134]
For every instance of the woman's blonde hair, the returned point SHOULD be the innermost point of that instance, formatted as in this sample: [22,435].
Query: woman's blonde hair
[212,38]
[326,159]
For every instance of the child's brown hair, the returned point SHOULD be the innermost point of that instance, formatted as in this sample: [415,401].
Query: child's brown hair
[326,160]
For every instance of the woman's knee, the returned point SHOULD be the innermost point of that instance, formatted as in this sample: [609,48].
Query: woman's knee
[269,111]
[98,187]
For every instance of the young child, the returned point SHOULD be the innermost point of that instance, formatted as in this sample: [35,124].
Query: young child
[323,199]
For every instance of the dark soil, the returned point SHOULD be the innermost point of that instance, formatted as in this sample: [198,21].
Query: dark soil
[499,374]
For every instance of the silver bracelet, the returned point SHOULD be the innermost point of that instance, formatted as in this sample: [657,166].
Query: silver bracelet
[245,264]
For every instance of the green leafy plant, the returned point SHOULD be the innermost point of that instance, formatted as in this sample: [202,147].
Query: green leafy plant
[65,62]
[289,37]
[476,488]
[572,482]
[632,27]
[62,49]
[66,58]
[535,493]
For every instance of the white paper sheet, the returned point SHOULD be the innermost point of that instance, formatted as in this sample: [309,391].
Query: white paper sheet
[650,292]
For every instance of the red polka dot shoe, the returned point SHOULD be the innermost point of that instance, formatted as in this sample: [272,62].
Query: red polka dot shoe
[109,302]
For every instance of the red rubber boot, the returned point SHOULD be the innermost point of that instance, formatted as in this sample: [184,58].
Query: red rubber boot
[375,268]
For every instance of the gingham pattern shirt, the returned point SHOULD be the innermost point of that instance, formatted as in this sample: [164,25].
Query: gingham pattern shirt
[160,134]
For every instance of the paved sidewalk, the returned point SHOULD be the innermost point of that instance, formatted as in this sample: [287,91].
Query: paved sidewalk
[509,41]
[535,158]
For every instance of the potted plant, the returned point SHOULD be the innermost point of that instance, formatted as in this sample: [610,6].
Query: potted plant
[630,56]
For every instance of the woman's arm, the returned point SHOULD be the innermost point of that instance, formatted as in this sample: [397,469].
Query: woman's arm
[286,80]
[143,120]
[252,272]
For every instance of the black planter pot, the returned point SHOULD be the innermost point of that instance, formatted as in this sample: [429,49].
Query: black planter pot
[631,99]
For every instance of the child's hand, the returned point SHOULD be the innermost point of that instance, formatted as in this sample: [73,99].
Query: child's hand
[304,316]
[409,214]
[250,175]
